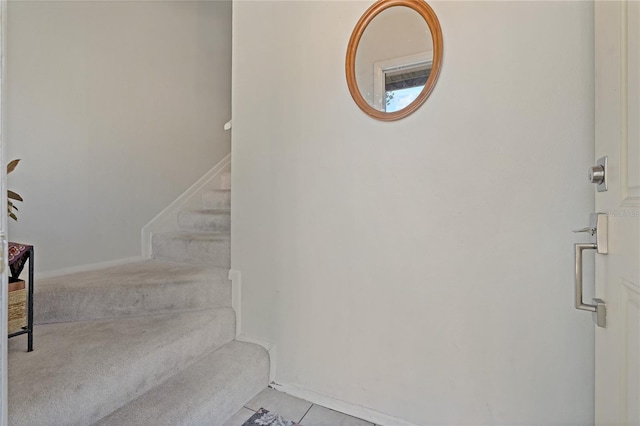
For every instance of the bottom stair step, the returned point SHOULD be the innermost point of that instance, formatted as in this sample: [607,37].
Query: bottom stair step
[206,393]
[80,372]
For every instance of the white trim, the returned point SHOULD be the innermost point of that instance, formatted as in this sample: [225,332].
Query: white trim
[271,349]
[630,195]
[88,267]
[341,406]
[236,298]
[380,68]
[167,219]
[4,401]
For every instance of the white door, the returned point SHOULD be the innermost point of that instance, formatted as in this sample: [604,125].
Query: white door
[617,120]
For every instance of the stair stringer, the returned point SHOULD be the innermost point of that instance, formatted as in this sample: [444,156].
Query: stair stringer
[167,219]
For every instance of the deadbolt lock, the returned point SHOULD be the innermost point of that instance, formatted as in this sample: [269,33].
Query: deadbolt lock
[598,174]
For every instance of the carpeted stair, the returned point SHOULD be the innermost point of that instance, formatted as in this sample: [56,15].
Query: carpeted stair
[147,343]
[203,235]
[135,289]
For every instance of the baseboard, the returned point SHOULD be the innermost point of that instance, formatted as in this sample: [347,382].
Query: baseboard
[341,406]
[236,298]
[88,267]
[167,219]
[271,349]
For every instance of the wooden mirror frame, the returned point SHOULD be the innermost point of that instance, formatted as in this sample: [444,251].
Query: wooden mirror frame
[431,19]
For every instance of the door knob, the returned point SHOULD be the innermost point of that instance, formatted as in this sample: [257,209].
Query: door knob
[598,174]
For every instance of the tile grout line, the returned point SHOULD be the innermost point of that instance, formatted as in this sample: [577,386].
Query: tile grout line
[305,414]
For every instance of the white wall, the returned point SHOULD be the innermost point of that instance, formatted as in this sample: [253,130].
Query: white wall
[420,268]
[115,109]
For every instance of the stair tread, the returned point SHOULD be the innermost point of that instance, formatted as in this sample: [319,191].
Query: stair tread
[81,371]
[135,274]
[198,236]
[206,393]
[138,288]
[211,212]
[207,211]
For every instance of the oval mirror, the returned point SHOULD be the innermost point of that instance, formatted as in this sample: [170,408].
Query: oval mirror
[394,58]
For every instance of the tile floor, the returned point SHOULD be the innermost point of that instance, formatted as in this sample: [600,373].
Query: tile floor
[294,409]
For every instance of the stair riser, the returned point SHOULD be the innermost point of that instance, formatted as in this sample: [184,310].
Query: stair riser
[130,366]
[216,200]
[204,221]
[65,305]
[214,253]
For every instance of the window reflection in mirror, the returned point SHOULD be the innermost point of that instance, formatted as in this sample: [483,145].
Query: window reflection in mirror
[400,80]
[394,59]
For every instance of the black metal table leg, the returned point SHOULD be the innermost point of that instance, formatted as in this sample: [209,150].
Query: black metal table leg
[30,302]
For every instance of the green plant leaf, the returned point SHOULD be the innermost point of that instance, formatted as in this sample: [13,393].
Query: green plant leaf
[14,196]
[12,165]
[11,195]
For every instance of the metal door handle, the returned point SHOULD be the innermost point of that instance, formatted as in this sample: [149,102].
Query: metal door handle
[599,307]
[578,293]
[598,227]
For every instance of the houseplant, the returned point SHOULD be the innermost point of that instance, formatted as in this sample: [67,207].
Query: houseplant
[11,195]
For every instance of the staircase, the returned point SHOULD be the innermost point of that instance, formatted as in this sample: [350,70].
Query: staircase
[146,343]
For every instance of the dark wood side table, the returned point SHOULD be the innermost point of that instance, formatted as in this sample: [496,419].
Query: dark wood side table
[19,255]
